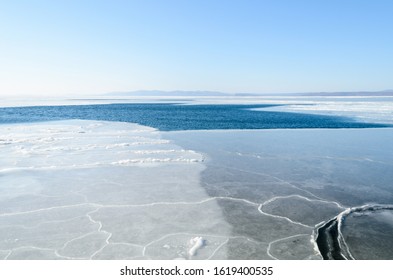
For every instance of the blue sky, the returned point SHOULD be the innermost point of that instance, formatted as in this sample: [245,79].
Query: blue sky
[70,47]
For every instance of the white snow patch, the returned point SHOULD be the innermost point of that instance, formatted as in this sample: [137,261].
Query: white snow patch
[196,243]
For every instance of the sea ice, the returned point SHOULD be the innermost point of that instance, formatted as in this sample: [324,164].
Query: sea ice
[108,190]
[296,179]
[97,190]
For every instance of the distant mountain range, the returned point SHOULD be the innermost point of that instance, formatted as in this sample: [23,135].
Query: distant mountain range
[168,93]
[142,93]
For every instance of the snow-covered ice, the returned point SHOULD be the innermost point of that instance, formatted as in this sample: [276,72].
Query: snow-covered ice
[91,190]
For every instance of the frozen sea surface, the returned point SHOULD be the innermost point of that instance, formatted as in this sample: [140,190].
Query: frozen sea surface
[368,109]
[333,186]
[109,190]
[103,190]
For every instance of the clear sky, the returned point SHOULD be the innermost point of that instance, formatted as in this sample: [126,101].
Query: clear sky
[266,46]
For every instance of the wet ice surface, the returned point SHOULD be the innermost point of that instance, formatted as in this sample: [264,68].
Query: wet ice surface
[293,181]
[106,190]
[369,235]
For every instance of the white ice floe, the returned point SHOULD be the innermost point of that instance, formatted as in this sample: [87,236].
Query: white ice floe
[367,111]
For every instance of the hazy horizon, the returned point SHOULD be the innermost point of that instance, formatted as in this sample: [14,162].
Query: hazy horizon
[201,93]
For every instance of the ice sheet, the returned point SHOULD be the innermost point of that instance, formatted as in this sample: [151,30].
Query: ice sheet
[106,190]
[91,190]
[369,235]
[298,180]
[373,111]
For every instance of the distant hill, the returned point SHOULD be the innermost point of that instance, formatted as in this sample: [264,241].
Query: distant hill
[344,93]
[168,93]
[183,93]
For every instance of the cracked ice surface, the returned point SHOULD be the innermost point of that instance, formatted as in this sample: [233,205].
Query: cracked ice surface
[107,190]
[279,185]
[102,190]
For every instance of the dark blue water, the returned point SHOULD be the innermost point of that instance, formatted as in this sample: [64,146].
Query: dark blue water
[168,117]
